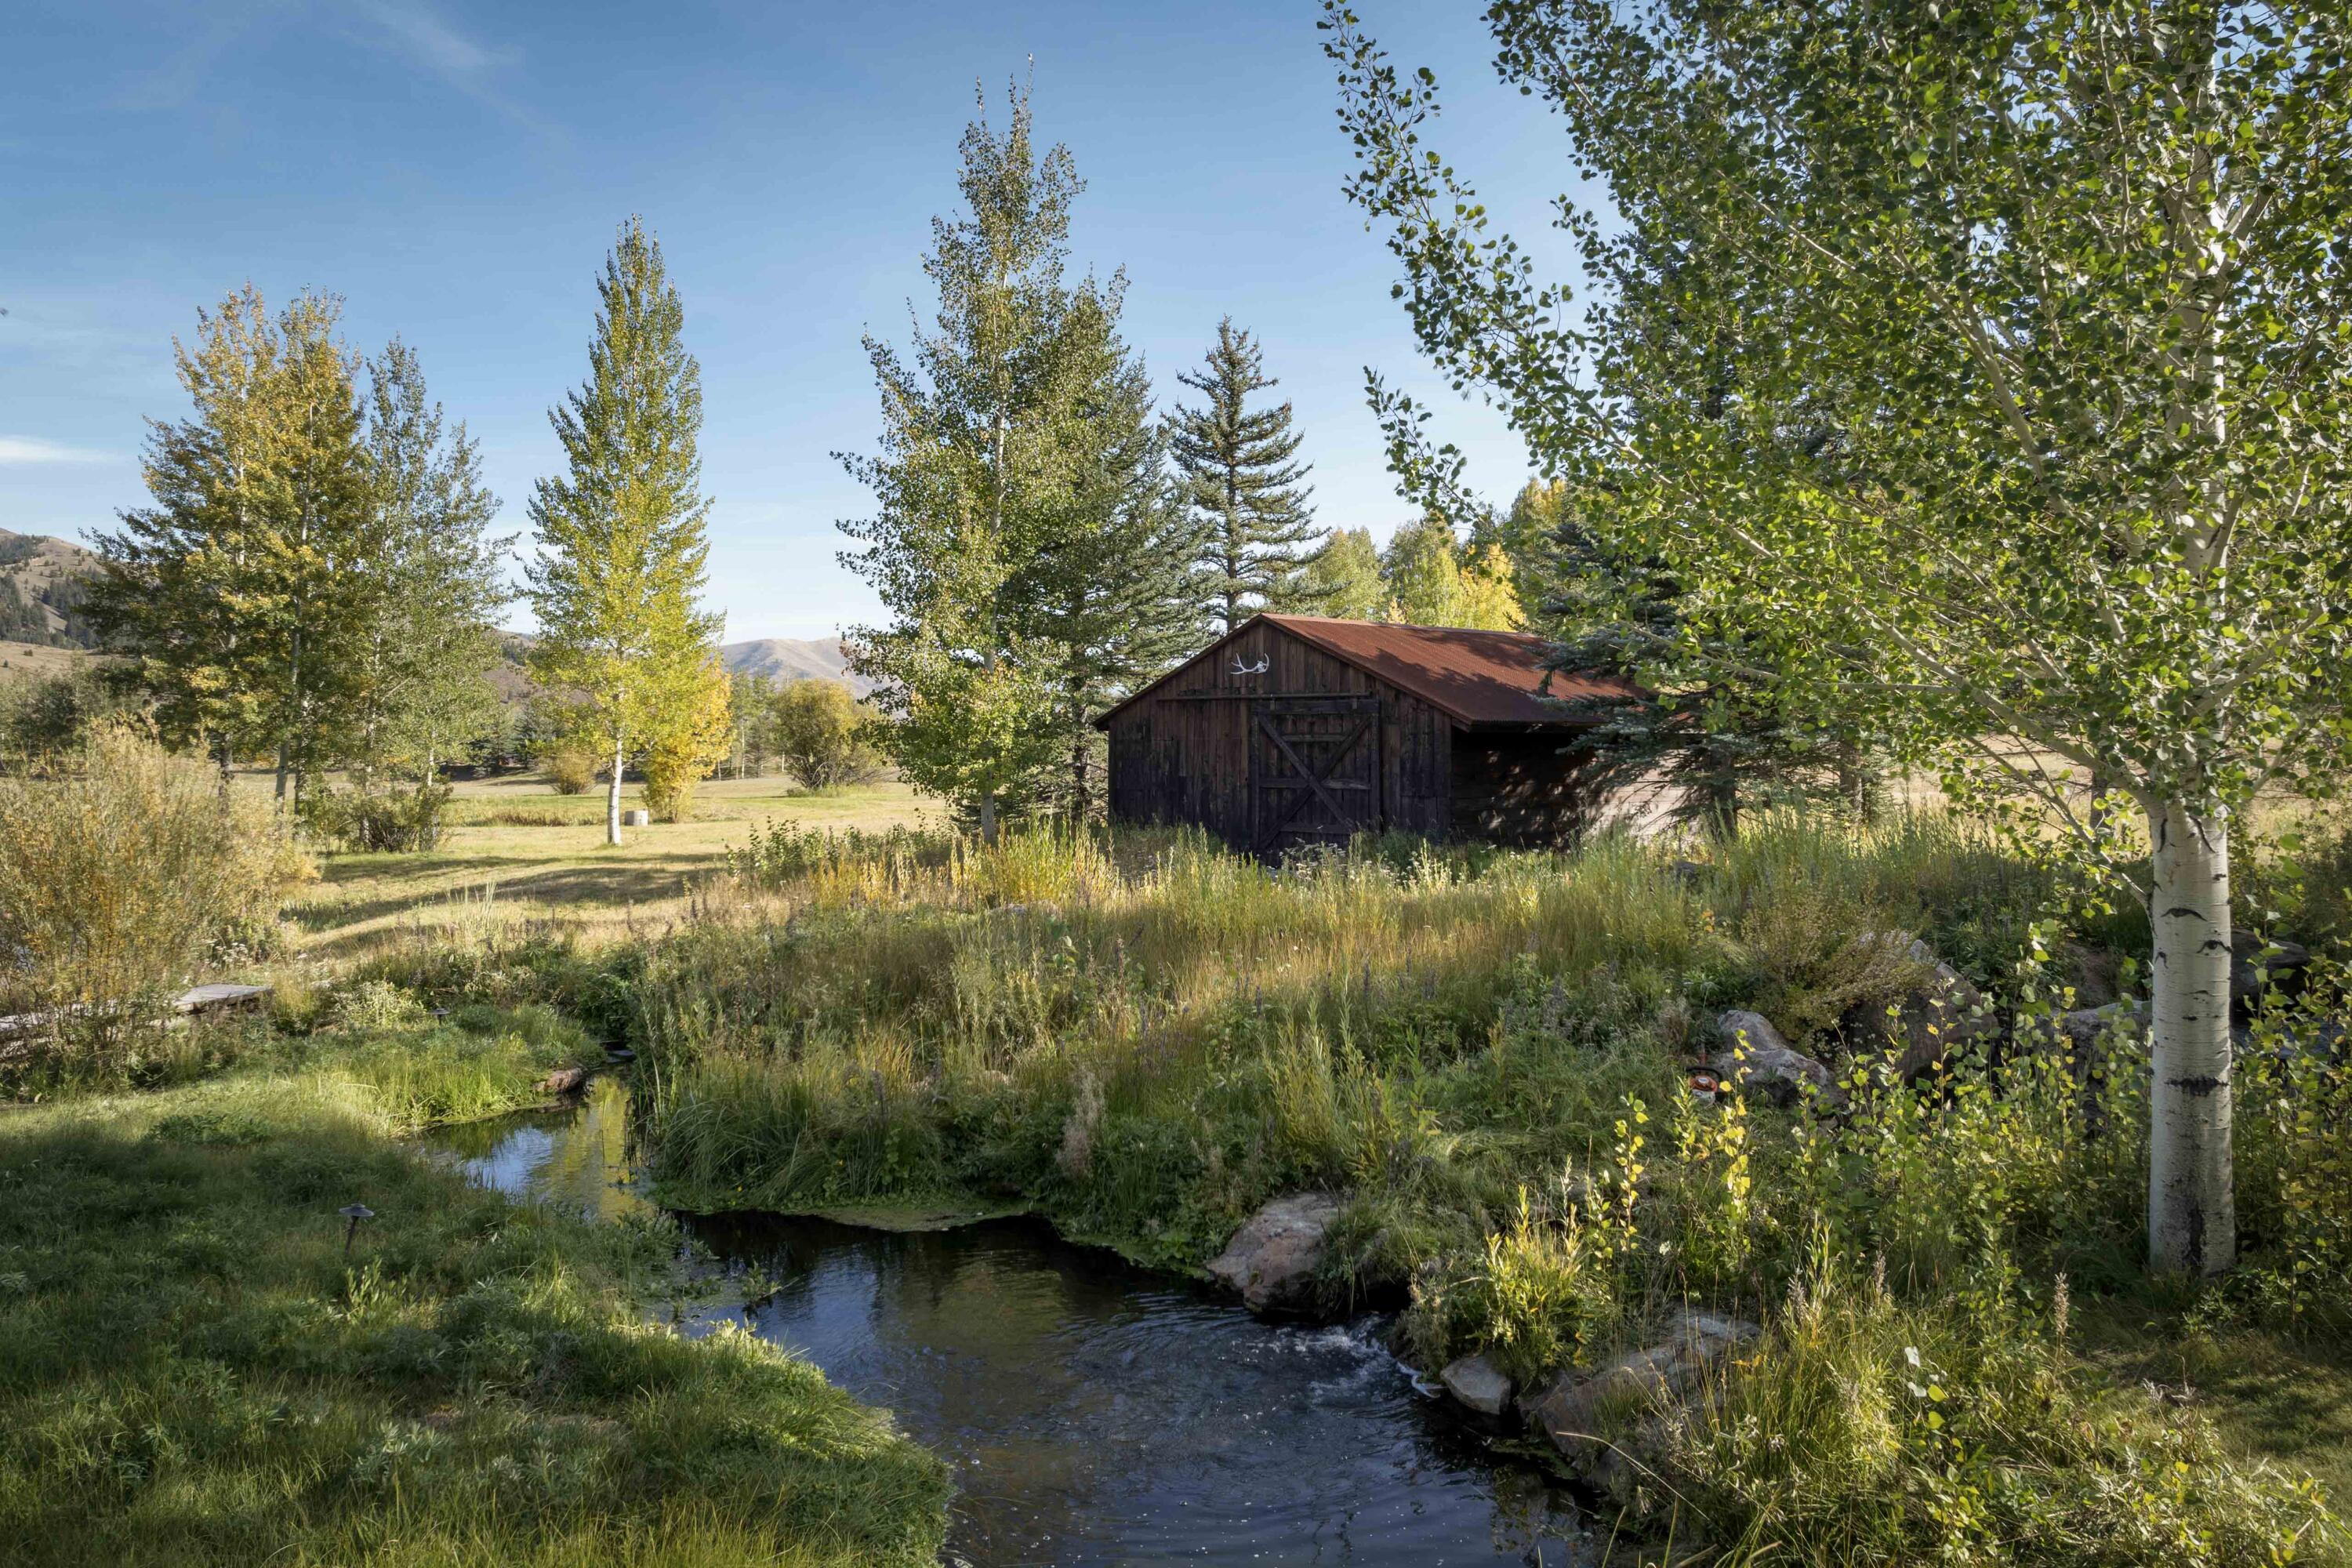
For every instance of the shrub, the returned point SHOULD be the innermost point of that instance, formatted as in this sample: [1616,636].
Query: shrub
[570,768]
[43,718]
[116,879]
[393,821]
[819,730]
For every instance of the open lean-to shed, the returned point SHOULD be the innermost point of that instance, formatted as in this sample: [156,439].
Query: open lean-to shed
[1295,730]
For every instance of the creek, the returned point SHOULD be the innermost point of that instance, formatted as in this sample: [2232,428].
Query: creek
[1095,1413]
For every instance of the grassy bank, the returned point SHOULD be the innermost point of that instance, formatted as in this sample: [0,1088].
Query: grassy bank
[193,1371]
[1486,1055]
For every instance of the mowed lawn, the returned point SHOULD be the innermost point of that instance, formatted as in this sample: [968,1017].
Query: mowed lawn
[517,852]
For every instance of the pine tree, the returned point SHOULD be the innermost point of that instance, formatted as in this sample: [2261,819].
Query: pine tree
[423,659]
[1238,475]
[1020,542]
[620,570]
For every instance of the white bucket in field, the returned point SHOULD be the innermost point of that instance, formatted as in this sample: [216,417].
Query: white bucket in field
[637,816]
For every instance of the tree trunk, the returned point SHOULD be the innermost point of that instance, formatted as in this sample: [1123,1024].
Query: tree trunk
[1857,782]
[988,819]
[613,796]
[281,773]
[2192,1225]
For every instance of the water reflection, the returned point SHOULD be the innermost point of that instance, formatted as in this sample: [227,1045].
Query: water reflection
[579,1156]
[1095,1413]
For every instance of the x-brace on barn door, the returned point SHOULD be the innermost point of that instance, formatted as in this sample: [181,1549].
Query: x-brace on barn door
[1315,771]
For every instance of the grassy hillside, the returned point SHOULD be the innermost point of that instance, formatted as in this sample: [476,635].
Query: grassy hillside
[40,581]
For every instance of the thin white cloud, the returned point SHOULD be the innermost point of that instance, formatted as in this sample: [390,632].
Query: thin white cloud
[19,452]
[425,38]
[410,30]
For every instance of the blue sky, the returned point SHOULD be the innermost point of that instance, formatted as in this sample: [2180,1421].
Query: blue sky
[455,171]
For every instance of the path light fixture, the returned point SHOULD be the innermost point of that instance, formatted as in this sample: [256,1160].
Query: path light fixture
[353,1214]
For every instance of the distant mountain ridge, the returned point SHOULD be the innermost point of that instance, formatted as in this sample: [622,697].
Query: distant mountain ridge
[794,658]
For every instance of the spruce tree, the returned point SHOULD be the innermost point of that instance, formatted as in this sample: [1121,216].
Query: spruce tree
[1708,728]
[1238,472]
[1020,540]
[423,660]
[622,550]
[1107,594]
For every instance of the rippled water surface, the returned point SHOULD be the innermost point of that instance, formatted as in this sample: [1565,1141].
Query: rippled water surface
[1095,1413]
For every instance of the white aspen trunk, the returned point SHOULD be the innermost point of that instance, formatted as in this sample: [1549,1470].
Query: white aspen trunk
[2192,1226]
[988,652]
[613,796]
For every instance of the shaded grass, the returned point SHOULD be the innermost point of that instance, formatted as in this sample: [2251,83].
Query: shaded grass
[191,1370]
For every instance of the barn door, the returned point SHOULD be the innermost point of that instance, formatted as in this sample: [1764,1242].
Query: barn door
[1315,771]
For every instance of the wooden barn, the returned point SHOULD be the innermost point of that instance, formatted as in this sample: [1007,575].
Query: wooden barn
[1293,729]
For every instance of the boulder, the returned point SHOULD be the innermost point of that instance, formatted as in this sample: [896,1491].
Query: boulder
[1771,1066]
[2088,1031]
[1271,1259]
[1943,1012]
[2258,965]
[1573,1406]
[1479,1384]
[563,1080]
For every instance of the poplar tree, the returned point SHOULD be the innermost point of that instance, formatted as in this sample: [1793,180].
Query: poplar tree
[237,590]
[622,550]
[1238,473]
[2043,399]
[1343,578]
[1434,580]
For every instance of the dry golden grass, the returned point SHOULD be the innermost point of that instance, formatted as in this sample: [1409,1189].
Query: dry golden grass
[518,853]
[32,661]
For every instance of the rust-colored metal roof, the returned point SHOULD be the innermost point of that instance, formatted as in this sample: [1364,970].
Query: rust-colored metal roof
[1475,677]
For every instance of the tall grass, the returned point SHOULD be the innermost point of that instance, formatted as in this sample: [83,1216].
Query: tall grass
[1488,1055]
[125,872]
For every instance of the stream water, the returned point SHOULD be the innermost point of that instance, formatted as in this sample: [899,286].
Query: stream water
[1095,1413]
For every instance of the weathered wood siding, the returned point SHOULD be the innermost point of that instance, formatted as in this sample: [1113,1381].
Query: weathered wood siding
[1185,753]
[1522,786]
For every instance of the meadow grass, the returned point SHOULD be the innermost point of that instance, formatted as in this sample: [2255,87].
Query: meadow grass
[1486,1055]
[191,1370]
[517,855]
